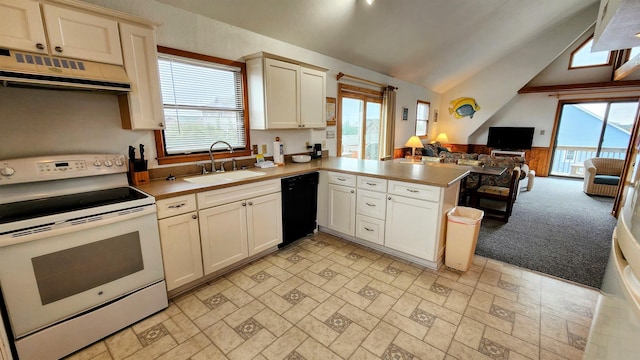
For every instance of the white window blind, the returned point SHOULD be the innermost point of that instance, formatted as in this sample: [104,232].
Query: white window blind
[422,118]
[203,103]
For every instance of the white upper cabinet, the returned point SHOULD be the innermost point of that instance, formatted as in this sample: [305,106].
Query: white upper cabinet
[81,35]
[71,33]
[141,108]
[285,95]
[21,26]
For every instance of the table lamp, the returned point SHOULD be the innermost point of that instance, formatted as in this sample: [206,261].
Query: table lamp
[414,142]
[442,138]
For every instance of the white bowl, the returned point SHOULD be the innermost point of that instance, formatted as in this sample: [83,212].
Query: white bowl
[301,158]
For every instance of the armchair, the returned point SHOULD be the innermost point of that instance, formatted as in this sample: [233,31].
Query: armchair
[602,176]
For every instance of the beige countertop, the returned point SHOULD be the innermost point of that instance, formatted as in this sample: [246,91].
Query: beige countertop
[435,174]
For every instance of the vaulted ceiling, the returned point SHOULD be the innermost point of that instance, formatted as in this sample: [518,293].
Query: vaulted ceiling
[433,43]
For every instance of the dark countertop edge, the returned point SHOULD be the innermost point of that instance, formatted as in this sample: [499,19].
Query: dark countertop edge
[163,189]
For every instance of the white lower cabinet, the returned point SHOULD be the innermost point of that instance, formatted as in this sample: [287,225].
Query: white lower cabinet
[180,239]
[218,229]
[370,229]
[411,226]
[342,209]
[224,235]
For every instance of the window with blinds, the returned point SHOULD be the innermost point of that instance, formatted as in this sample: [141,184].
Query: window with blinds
[203,103]
[422,118]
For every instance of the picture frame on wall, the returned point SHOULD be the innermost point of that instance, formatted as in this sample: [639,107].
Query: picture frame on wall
[331,111]
[405,113]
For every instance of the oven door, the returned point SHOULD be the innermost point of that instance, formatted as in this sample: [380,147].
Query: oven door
[53,275]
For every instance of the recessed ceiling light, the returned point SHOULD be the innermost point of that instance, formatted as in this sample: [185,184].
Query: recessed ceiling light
[370,2]
[637,35]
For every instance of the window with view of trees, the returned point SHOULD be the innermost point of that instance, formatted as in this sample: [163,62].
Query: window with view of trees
[422,118]
[204,101]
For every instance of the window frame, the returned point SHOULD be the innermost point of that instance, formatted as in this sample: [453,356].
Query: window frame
[163,157]
[365,95]
[426,134]
[571,67]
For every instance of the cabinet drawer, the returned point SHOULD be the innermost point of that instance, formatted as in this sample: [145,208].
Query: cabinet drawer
[342,179]
[371,203]
[176,205]
[211,198]
[416,191]
[370,229]
[373,184]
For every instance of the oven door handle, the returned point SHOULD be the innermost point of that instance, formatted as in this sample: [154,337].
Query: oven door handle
[70,226]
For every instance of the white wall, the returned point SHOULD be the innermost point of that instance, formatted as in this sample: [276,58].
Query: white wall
[46,121]
[499,83]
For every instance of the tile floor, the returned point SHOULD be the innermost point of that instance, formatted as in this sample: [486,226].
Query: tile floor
[326,298]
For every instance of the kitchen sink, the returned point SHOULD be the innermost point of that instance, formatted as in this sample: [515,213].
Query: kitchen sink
[224,178]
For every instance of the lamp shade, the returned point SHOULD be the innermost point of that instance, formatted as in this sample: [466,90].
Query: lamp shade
[414,142]
[442,137]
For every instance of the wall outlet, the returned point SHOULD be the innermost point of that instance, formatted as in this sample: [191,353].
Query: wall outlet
[254,148]
[541,132]
[324,144]
[264,149]
[307,144]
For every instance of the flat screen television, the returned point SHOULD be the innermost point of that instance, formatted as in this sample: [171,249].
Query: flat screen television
[510,138]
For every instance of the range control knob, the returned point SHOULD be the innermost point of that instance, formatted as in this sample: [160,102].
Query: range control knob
[108,163]
[7,171]
[97,163]
[119,162]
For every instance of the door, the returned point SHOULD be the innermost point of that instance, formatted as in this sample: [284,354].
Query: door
[312,98]
[181,255]
[82,36]
[411,226]
[223,235]
[360,123]
[282,82]
[591,129]
[21,26]
[264,221]
[342,209]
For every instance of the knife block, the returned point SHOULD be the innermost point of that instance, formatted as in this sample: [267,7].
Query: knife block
[138,177]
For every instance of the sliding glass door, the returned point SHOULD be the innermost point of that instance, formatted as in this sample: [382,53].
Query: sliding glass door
[591,129]
[359,125]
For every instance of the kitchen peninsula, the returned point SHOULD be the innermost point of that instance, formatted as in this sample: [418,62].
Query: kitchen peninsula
[393,207]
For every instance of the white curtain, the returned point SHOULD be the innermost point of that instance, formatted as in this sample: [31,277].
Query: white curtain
[388,123]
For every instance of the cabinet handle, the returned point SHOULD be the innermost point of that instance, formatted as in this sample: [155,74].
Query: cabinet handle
[58,49]
[40,46]
[176,206]
[370,204]
[413,191]
[341,179]
[372,184]
[352,191]
[194,216]
[368,229]
[389,198]
[250,203]
[160,124]
[244,204]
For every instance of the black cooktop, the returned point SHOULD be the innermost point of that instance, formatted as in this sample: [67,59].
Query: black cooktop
[31,209]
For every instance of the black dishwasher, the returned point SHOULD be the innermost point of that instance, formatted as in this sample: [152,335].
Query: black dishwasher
[299,203]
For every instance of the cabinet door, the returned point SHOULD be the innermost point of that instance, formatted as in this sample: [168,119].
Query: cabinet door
[282,83]
[21,26]
[80,35]
[264,221]
[181,256]
[312,98]
[342,209]
[143,104]
[412,226]
[223,235]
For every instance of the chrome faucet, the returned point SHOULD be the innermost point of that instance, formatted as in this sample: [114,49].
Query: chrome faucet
[213,165]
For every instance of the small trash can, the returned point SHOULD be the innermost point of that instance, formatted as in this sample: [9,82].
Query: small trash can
[463,226]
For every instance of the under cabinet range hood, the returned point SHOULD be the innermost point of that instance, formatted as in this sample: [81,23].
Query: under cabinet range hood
[24,69]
